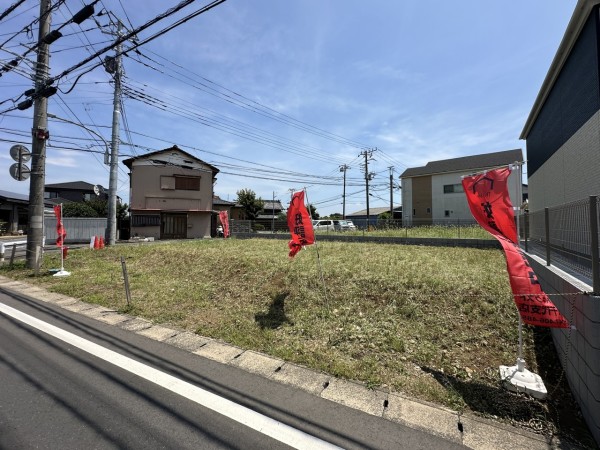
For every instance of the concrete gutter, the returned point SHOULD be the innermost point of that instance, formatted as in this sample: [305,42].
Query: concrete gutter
[467,429]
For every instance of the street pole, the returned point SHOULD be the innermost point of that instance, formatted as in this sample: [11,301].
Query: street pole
[391,192]
[111,230]
[343,168]
[35,232]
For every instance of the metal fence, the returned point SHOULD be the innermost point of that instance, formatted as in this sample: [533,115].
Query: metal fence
[449,229]
[78,229]
[566,236]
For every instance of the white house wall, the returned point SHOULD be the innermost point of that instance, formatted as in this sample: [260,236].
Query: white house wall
[572,173]
[455,203]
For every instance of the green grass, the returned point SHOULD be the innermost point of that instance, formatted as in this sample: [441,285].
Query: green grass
[423,231]
[432,323]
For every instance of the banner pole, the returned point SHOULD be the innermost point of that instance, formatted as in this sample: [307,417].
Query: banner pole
[517,210]
[318,256]
[62,253]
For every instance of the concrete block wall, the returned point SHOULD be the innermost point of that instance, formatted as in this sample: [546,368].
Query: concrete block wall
[578,349]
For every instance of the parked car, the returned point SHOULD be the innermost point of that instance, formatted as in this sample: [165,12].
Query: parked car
[326,225]
[350,225]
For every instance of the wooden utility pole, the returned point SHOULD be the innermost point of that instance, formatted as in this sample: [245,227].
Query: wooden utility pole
[39,131]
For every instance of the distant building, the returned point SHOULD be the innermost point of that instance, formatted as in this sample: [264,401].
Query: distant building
[171,195]
[13,212]
[433,194]
[359,218]
[74,191]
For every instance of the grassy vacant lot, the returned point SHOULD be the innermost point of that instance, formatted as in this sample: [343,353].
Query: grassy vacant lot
[432,323]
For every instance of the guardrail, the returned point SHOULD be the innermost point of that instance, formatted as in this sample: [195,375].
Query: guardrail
[13,248]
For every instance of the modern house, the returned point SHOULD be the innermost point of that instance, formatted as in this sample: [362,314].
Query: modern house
[74,191]
[171,195]
[433,194]
[562,133]
[563,128]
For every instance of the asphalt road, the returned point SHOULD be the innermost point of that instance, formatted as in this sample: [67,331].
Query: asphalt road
[78,383]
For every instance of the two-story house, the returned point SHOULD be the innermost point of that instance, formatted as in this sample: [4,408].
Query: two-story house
[171,195]
[433,194]
[74,191]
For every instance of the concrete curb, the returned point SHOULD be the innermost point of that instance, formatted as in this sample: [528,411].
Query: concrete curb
[469,430]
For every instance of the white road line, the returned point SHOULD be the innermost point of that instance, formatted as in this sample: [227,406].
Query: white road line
[252,419]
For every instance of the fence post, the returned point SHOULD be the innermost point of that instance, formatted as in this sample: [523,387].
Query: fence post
[594,242]
[547,223]
[126,281]
[526,228]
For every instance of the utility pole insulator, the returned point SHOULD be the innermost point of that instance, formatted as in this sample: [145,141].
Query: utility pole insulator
[41,133]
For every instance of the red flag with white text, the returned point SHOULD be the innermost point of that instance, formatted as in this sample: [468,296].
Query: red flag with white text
[299,223]
[489,202]
[224,218]
[60,229]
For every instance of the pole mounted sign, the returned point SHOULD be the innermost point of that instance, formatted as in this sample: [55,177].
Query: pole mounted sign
[19,171]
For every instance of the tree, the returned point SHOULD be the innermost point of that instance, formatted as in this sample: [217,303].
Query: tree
[252,206]
[79,209]
[93,208]
[336,216]
[313,211]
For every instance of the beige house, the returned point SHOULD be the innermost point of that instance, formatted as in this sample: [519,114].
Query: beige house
[171,195]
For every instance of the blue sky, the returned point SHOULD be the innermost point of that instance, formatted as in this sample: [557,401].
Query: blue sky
[279,94]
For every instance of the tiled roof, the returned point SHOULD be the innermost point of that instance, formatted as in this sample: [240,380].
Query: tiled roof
[129,162]
[474,162]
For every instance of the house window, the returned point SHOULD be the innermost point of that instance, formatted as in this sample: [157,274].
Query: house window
[447,213]
[167,182]
[89,197]
[453,188]
[50,194]
[187,183]
[414,212]
[428,210]
[145,220]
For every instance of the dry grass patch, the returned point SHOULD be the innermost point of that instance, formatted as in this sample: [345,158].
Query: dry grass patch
[433,323]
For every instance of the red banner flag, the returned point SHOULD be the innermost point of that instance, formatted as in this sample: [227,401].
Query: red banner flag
[489,201]
[224,218]
[60,229]
[299,224]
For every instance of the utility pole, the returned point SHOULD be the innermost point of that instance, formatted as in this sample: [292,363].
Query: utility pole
[343,169]
[35,232]
[111,229]
[368,154]
[391,192]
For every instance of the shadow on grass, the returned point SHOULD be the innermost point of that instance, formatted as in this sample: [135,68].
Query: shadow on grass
[492,400]
[275,317]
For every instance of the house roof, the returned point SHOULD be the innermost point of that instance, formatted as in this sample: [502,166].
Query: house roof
[580,15]
[219,201]
[474,162]
[72,185]
[374,211]
[129,162]
[23,199]
[269,205]
[14,197]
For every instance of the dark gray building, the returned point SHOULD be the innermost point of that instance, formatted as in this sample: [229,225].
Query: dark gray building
[563,127]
